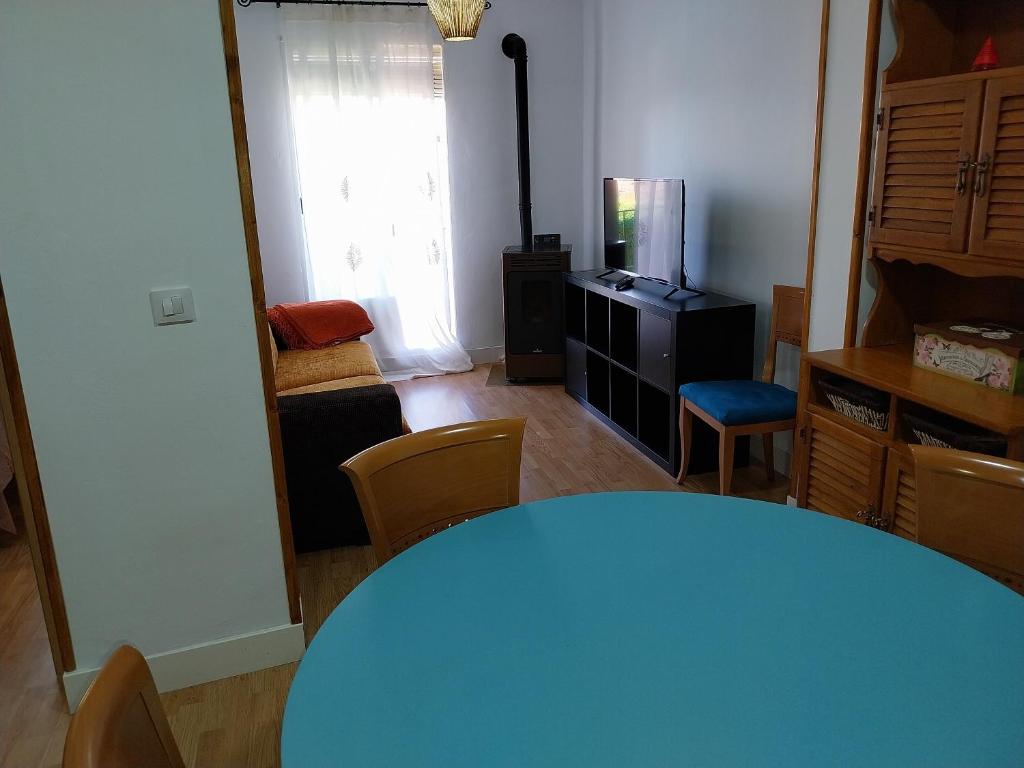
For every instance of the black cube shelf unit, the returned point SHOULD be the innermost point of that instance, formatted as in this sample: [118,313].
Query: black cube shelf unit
[628,352]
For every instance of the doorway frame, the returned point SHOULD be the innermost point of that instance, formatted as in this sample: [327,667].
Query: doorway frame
[32,502]
[259,304]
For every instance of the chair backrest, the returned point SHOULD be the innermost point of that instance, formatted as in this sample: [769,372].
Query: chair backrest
[787,324]
[416,485]
[971,507]
[121,722]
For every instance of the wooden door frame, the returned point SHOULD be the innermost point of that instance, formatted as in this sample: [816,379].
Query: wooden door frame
[33,504]
[259,304]
[868,100]
[819,125]
[867,135]
[812,241]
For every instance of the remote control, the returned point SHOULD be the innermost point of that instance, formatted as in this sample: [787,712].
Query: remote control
[625,284]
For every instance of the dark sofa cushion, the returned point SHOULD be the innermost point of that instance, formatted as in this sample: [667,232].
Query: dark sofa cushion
[319,431]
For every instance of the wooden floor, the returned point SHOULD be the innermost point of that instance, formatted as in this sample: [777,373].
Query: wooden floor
[236,722]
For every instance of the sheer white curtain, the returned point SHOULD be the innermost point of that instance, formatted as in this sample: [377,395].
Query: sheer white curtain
[367,103]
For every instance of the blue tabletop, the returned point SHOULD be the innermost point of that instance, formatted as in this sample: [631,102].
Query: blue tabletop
[664,629]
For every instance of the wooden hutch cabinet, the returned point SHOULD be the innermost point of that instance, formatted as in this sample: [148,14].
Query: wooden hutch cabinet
[946,241]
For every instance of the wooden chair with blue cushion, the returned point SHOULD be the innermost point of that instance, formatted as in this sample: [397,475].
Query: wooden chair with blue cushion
[739,408]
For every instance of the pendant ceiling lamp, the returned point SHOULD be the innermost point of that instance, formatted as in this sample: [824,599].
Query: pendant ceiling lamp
[457,19]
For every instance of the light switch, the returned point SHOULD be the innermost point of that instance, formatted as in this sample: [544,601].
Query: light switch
[172,306]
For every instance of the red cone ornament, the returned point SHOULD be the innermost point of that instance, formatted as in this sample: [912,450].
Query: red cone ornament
[987,57]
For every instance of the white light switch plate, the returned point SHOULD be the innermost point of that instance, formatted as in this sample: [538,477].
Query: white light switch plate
[172,306]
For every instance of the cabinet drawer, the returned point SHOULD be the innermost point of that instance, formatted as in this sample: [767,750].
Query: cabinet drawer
[655,351]
[843,472]
[575,367]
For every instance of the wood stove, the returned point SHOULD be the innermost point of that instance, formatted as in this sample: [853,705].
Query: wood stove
[531,279]
[534,324]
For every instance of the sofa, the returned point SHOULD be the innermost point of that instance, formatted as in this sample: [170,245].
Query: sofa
[333,403]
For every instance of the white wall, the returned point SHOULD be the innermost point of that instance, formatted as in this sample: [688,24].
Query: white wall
[117,175]
[479,84]
[480,87]
[722,94]
[275,183]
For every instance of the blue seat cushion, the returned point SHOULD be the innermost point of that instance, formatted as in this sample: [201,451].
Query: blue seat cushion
[736,403]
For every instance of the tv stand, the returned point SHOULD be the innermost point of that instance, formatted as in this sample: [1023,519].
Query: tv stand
[628,352]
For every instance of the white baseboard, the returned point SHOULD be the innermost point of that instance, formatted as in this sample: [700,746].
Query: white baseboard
[486,355]
[185,667]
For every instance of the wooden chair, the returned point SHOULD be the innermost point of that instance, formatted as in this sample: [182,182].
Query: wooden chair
[738,408]
[971,507]
[120,722]
[416,485]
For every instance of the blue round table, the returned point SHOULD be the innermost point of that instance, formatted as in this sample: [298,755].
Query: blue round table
[664,629]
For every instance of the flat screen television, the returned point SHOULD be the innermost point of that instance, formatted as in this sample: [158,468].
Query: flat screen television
[644,222]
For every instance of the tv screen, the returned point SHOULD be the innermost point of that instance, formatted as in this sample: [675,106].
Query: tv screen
[643,227]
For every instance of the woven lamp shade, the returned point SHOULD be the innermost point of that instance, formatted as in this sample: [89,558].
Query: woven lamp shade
[457,19]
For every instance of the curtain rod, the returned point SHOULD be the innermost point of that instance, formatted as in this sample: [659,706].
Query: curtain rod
[397,3]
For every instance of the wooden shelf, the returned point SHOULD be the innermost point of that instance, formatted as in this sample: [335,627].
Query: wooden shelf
[628,352]
[892,369]
[941,37]
[963,264]
[963,77]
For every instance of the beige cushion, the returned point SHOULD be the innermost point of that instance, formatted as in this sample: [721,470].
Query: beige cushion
[329,386]
[291,362]
[302,368]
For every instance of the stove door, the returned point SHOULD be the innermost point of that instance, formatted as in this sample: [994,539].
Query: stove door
[534,313]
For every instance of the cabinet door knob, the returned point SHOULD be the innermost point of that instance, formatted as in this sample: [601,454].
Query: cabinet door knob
[961,176]
[666,356]
[980,185]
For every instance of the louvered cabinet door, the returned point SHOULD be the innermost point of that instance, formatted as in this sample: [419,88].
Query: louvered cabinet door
[843,472]
[899,505]
[997,229]
[926,145]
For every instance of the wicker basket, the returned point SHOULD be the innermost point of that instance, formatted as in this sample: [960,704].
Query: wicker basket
[859,402]
[942,431]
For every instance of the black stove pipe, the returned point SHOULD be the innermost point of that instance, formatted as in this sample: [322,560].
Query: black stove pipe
[514,47]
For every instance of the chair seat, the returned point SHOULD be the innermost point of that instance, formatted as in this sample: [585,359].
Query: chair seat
[736,403]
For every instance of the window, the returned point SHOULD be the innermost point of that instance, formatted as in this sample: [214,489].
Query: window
[368,110]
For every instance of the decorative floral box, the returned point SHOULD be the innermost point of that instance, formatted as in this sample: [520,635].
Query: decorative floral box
[985,353]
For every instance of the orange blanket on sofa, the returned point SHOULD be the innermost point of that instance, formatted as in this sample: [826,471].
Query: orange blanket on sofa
[319,324]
